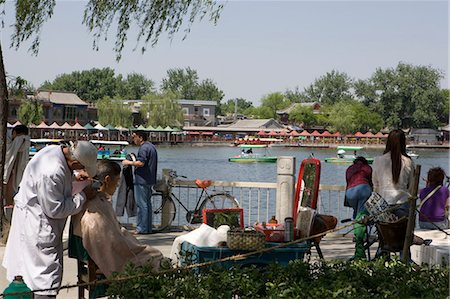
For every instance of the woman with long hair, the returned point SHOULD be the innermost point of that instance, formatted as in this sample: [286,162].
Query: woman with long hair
[393,173]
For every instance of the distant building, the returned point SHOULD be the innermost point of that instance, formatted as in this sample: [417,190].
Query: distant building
[283,114]
[58,107]
[430,136]
[198,113]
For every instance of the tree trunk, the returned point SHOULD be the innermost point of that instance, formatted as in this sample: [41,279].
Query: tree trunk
[3,129]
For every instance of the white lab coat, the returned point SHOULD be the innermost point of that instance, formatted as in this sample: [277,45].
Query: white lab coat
[17,157]
[34,249]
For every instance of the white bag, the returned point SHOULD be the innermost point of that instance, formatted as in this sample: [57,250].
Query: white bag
[375,205]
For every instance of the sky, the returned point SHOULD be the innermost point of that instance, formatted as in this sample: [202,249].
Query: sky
[256,48]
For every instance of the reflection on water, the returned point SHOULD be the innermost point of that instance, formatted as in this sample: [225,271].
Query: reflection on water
[212,163]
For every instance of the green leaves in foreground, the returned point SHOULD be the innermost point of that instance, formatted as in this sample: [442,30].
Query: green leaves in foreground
[360,279]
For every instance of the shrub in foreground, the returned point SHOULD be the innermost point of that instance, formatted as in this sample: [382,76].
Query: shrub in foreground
[340,279]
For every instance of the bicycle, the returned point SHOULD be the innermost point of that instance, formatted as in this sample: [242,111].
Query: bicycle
[163,202]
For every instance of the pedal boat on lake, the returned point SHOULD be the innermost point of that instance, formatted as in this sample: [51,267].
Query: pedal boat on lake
[343,158]
[249,157]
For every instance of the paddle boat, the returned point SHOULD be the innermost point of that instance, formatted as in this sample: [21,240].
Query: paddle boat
[38,144]
[247,155]
[412,154]
[343,158]
[105,152]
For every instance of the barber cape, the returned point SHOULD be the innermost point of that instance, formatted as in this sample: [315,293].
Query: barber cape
[109,245]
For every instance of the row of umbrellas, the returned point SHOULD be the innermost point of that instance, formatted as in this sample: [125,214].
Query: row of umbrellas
[88,126]
[315,133]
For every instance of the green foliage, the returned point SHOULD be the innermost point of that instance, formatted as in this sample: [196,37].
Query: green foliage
[184,84]
[161,110]
[134,87]
[330,88]
[361,279]
[114,112]
[89,85]
[151,17]
[303,115]
[18,86]
[407,96]
[228,108]
[352,116]
[30,112]
[261,112]
[274,101]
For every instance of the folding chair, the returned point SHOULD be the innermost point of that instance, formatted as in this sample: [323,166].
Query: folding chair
[391,236]
[86,267]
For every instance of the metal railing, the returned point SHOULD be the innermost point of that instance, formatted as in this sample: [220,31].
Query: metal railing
[258,199]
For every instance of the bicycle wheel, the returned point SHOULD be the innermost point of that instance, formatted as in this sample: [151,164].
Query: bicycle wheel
[219,201]
[164,211]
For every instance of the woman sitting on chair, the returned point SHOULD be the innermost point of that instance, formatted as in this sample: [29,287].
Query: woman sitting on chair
[108,244]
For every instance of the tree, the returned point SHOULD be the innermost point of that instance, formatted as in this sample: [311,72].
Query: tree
[112,111]
[181,82]
[30,112]
[152,19]
[134,87]
[407,96]
[208,91]
[303,115]
[329,89]
[274,101]
[351,116]
[89,85]
[162,110]
[228,108]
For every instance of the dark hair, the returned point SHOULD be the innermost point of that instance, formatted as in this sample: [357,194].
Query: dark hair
[360,159]
[396,145]
[141,134]
[20,129]
[435,177]
[107,167]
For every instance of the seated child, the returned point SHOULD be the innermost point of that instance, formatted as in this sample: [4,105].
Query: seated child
[109,245]
[434,201]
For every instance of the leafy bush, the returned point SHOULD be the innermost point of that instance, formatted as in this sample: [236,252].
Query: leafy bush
[359,279]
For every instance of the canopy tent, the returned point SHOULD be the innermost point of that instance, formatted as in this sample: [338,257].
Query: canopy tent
[380,135]
[326,134]
[159,129]
[88,126]
[305,133]
[42,125]
[337,134]
[100,127]
[122,129]
[150,128]
[111,128]
[8,125]
[77,126]
[359,135]
[315,133]
[168,129]
[261,133]
[17,123]
[54,125]
[193,133]
[294,133]
[207,133]
[272,133]
[369,134]
[66,126]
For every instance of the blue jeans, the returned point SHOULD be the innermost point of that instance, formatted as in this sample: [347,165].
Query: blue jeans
[143,195]
[357,197]
[428,225]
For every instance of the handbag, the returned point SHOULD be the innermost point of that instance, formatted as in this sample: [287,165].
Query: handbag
[376,205]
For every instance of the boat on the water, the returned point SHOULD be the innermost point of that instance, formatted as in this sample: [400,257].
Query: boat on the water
[104,149]
[412,154]
[38,144]
[343,158]
[247,155]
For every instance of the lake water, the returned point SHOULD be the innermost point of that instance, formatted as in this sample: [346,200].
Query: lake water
[212,163]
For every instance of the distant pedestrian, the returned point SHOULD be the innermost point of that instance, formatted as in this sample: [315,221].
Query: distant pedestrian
[35,249]
[144,179]
[358,190]
[17,156]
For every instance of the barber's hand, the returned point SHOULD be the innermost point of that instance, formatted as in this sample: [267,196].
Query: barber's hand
[126,162]
[90,192]
[81,175]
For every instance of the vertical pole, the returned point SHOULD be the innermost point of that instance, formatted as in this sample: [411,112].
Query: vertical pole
[165,212]
[412,216]
[285,187]
[3,129]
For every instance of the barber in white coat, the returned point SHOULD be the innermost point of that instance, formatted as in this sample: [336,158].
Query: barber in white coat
[42,205]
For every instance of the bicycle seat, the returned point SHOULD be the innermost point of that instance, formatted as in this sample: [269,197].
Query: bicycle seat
[203,183]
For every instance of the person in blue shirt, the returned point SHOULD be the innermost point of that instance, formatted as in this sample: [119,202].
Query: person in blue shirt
[146,166]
